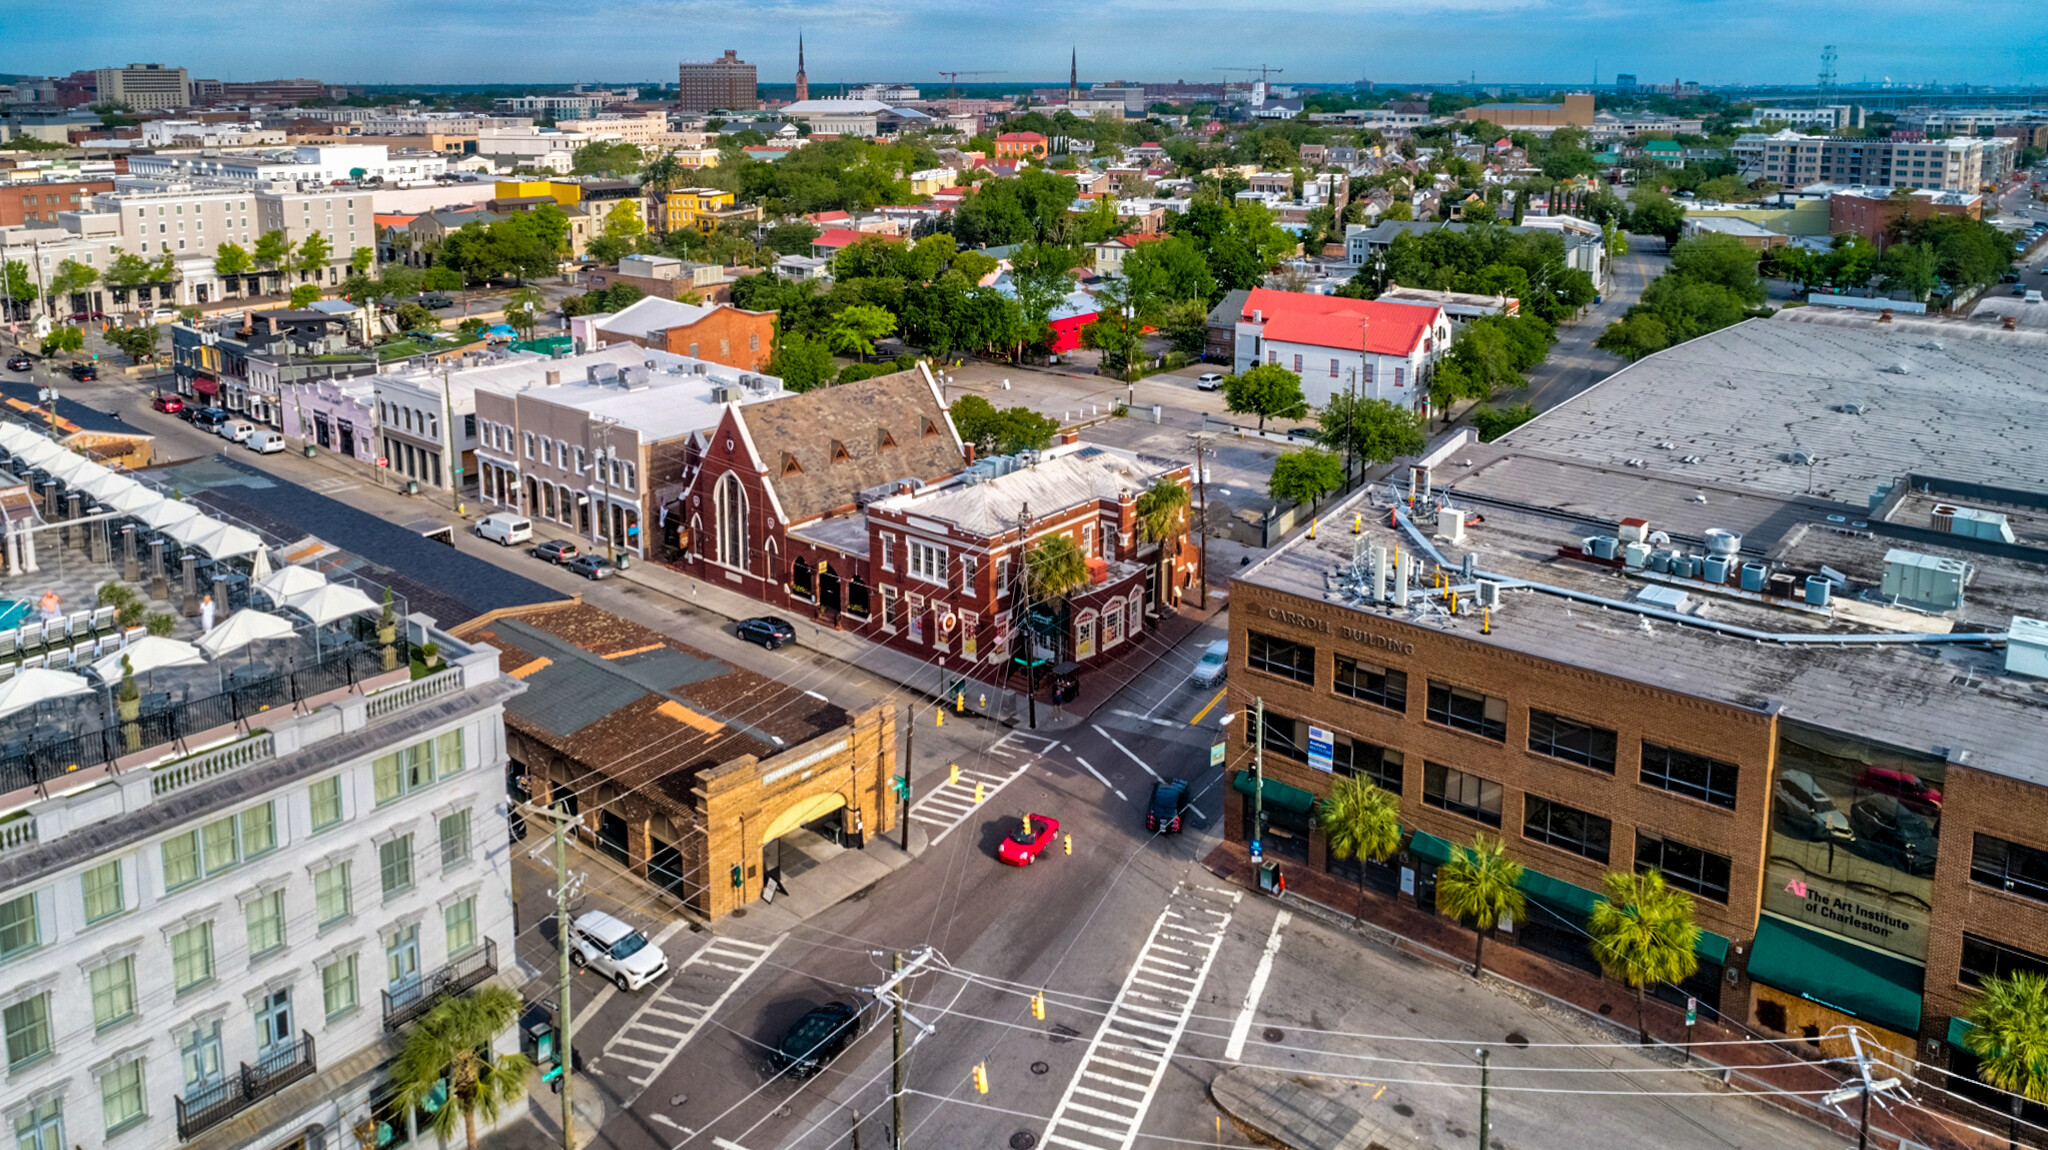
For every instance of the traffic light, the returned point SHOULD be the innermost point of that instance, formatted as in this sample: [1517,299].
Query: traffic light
[738,880]
[977,794]
[901,785]
[960,702]
[981,1077]
[940,715]
[1027,826]
[553,1077]
[1038,1006]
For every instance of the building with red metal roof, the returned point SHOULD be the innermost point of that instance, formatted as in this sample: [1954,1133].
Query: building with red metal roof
[1369,348]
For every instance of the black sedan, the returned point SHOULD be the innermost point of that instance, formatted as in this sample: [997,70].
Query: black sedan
[20,361]
[591,567]
[1170,800]
[816,1039]
[85,372]
[766,630]
[554,551]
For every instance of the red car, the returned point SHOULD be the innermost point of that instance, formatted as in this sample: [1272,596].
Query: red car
[168,404]
[1904,785]
[1029,840]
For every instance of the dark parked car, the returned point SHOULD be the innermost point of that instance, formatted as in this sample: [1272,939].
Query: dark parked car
[20,361]
[554,551]
[209,417]
[591,567]
[85,372]
[1304,433]
[766,630]
[435,299]
[816,1039]
[1170,798]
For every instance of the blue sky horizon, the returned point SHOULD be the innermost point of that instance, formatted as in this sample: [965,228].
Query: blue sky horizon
[1559,42]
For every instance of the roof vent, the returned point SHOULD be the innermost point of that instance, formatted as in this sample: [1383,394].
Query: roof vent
[1899,368]
[1802,459]
[1723,542]
[1851,409]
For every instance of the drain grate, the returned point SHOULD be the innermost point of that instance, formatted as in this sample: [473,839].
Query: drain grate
[1023,1140]
[1041,1068]
[1274,1034]
[1517,1039]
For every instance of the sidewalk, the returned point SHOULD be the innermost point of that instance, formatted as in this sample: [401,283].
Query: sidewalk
[1299,1115]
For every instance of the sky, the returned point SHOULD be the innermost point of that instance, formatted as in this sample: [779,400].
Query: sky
[1315,41]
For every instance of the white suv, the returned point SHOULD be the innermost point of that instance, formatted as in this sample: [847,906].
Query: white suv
[614,949]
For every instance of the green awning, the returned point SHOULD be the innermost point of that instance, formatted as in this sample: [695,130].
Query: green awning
[1712,947]
[1278,794]
[1558,894]
[1837,973]
[1958,1029]
[1429,848]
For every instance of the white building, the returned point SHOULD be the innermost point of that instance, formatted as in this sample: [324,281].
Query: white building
[1829,116]
[545,149]
[1341,346]
[214,947]
[891,94]
[311,163]
[430,123]
[195,134]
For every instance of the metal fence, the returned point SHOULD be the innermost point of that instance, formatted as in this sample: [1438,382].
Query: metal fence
[279,1067]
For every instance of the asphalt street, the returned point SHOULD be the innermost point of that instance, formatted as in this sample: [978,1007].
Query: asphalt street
[1575,364]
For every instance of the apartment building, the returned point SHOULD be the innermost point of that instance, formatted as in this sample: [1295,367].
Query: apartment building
[1829,116]
[308,163]
[543,149]
[213,933]
[725,84]
[42,202]
[144,87]
[1742,668]
[1792,159]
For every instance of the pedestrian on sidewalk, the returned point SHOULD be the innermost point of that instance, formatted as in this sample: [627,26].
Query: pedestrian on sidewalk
[206,614]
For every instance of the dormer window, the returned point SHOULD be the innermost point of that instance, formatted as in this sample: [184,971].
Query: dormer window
[883,440]
[790,466]
[930,428]
[839,453]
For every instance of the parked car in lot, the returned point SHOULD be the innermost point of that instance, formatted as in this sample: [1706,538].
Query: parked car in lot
[1213,665]
[1306,434]
[20,361]
[814,1040]
[168,404]
[264,442]
[554,550]
[504,528]
[1029,840]
[235,430]
[1209,380]
[436,300]
[613,948]
[592,567]
[766,630]
[163,315]
[1170,800]
[85,372]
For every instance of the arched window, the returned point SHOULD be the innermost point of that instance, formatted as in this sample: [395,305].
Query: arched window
[730,500]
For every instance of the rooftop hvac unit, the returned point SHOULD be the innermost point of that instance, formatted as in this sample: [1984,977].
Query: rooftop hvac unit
[1668,598]
[2026,648]
[1634,531]
[1715,569]
[1635,555]
[1972,522]
[1450,524]
[1723,542]
[1927,581]
[1753,576]
[726,393]
[1488,593]
[1818,590]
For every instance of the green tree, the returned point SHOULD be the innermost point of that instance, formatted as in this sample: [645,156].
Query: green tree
[314,252]
[1493,422]
[449,1050]
[63,337]
[606,158]
[15,284]
[127,269]
[470,330]
[1266,390]
[1373,430]
[1634,336]
[230,261]
[1718,259]
[855,330]
[800,362]
[273,251]
[1360,821]
[441,279]
[974,266]
[1643,932]
[1652,213]
[1000,432]
[70,278]
[137,343]
[1304,476]
[1171,270]
[304,296]
[792,239]
[1055,567]
[1162,512]
[1479,885]
[523,308]
[413,317]
[1185,325]
[2009,1036]
[362,260]
[1910,268]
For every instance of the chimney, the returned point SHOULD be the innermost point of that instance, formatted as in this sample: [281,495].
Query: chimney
[1885,316]
[554,379]
[970,446]
[2012,323]
[904,488]
[1070,436]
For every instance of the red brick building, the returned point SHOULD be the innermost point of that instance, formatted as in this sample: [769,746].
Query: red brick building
[1873,214]
[1020,145]
[40,203]
[722,334]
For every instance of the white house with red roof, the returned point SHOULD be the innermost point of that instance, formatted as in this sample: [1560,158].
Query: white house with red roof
[1373,349]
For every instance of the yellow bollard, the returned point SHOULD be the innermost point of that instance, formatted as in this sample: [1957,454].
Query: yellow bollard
[977,794]
[960,702]
[1070,844]
[953,772]
[1311,528]
[1486,621]
[940,715]
[1357,524]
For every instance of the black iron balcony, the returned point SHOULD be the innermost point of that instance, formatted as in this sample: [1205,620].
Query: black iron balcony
[408,1002]
[277,1068]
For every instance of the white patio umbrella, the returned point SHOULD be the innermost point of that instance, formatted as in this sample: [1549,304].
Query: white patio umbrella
[38,685]
[68,466]
[286,582]
[226,541]
[259,570]
[104,484]
[331,603]
[243,628]
[187,532]
[14,437]
[131,499]
[39,452]
[166,513]
[149,653]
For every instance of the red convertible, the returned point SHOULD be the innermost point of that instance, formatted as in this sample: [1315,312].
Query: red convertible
[1029,840]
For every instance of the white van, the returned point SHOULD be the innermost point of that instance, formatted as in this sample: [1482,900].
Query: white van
[505,528]
[265,442]
[236,429]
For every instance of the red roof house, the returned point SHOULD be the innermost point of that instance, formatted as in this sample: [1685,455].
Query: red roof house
[1374,349]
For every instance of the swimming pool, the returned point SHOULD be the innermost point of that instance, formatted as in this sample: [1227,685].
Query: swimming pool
[13,613]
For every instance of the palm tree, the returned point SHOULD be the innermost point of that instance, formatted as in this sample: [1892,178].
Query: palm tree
[2009,1034]
[1642,933]
[448,1050]
[1163,518]
[658,177]
[1479,883]
[1055,567]
[523,308]
[1360,821]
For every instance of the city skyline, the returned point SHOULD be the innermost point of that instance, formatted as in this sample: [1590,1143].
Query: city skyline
[1563,42]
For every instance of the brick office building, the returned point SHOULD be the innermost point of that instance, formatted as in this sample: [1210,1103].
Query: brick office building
[1874,213]
[1636,634]
[722,85]
[40,203]
[719,333]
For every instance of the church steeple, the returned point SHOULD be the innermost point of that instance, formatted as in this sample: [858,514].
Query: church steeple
[803,83]
[1074,75]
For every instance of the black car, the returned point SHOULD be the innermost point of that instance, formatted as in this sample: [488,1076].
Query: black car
[816,1039]
[591,567]
[20,361]
[210,417]
[1306,433]
[435,300]
[1170,799]
[85,372]
[766,630]
[554,551]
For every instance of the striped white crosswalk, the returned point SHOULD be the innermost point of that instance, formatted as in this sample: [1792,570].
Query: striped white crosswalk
[668,1020]
[947,804]
[1105,1103]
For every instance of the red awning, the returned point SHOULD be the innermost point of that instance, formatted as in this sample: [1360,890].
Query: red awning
[205,386]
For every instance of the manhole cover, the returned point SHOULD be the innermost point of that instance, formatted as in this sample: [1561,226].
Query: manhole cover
[678,1099]
[1404,1110]
[1023,1140]
[1607,1008]
[1041,1068]
[1060,1034]
[1518,1039]
[1274,1034]
[740,912]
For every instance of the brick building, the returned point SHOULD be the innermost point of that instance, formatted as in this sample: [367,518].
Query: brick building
[1637,634]
[1874,212]
[1021,146]
[718,332]
[722,85]
[40,203]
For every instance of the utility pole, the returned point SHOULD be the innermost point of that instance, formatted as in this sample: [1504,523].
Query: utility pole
[1202,556]
[896,1067]
[1863,1088]
[1484,1130]
[561,820]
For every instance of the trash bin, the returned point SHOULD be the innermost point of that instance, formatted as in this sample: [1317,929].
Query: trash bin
[537,1034]
[625,560]
[412,487]
[310,451]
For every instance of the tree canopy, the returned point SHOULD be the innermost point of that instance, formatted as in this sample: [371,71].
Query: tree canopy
[1305,475]
[1266,390]
[1001,432]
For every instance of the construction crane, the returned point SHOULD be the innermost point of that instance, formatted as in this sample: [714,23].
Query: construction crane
[953,79]
[1262,70]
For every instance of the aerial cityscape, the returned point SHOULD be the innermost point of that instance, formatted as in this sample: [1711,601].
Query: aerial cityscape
[1364,590]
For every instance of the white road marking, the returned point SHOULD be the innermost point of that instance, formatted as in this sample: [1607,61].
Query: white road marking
[1113,1122]
[682,1000]
[949,804]
[1099,777]
[726,1144]
[1126,750]
[1167,723]
[671,1123]
[1242,1028]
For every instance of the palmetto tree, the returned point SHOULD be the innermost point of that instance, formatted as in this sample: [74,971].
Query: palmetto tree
[1163,511]
[1643,933]
[523,308]
[1055,567]
[1360,821]
[658,177]
[1479,883]
[450,1045]
[2009,1034]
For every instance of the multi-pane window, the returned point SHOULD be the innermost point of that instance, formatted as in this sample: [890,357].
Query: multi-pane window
[1688,774]
[259,830]
[113,993]
[1566,828]
[1282,657]
[1372,683]
[394,861]
[103,895]
[222,849]
[1466,710]
[1704,873]
[192,956]
[2009,866]
[1281,735]
[121,1096]
[326,803]
[1571,740]
[1983,958]
[455,838]
[331,893]
[338,986]
[1461,793]
[27,1024]
[219,845]
[181,860]
[412,768]
[1375,763]
[20,930]
[265,916]
[460,919]
[927,561]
